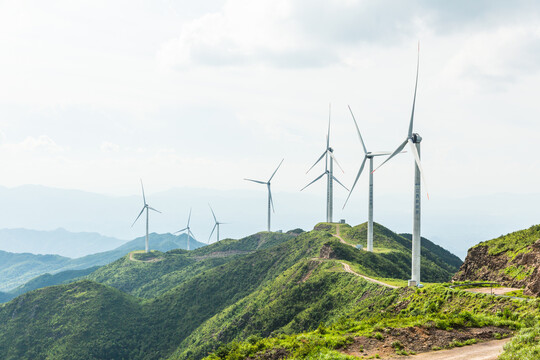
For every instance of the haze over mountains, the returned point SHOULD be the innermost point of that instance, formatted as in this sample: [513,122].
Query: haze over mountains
[59,241]
[455,223]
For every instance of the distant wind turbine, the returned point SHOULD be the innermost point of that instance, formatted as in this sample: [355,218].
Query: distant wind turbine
[267,183]
[328,154]
[216,225]
[187,229]
[367,155]
[413,139]
[147,208]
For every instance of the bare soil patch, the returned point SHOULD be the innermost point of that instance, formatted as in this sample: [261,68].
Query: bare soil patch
[418,340]
[494,291]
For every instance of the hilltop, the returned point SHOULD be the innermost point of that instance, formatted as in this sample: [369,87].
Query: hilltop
[184,305]
[512,260]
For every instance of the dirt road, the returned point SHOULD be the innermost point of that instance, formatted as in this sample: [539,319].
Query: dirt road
[489,350]
[337,234]
[348,269]
[494,291]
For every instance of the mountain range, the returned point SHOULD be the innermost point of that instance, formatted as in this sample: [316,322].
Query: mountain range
[59,242]
[45,208]
[17,269]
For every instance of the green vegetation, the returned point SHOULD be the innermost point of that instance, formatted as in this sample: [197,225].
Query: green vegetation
[269,293]
[433,306]
[513,243]
[525,345]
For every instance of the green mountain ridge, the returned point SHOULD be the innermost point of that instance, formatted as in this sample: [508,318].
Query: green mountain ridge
[186,304]
[17,269]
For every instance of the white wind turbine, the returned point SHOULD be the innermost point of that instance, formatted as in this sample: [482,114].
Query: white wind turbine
[216,225]
[188,232]
[328,154]
[147,208]
[413,139]
[267,183]
[367,155]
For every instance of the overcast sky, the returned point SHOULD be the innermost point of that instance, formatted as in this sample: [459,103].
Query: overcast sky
[97,94]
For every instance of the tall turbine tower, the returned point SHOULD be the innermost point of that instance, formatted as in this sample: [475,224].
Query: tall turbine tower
[328,154]
[413,139]
[367,155]
[147,208]
[270,202]
[216,225]
[187,229]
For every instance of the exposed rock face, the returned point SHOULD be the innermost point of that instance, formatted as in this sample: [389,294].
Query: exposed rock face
[521,271]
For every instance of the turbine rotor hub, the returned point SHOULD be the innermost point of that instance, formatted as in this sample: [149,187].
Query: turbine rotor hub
[416,138]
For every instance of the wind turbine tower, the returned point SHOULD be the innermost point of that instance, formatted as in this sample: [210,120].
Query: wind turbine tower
[267,183]
[328,154]
[147,208]
[367,156]
[216,225]
[414,139]
[187,229]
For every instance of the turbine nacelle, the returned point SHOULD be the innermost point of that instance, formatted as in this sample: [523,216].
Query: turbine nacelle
[416,138]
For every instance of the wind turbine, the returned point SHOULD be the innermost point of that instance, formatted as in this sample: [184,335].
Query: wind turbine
[216,225]
[147,208]
[367,155]
[328,154]
[413,139]
[270,202]
[188,232]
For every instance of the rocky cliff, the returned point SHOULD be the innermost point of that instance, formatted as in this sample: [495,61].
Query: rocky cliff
[512,260]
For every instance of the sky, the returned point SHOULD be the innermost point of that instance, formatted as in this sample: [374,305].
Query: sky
[97,94]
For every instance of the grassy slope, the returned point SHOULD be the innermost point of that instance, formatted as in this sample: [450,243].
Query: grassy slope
[149,279]
[434,306]
[191,296]
[513,243]
[83,320]
[392,251]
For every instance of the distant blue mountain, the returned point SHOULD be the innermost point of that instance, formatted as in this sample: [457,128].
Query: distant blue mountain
[59,242]
[17,269]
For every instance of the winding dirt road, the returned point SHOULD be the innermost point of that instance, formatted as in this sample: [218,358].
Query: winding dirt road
[348,269]
[489,350]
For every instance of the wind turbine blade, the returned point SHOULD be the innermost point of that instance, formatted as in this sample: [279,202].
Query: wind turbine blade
[151,208]
[397,151]
[333,157]
[142,187]
[358,131]
[316,162]
[190,233]
[189,218]
[333,177]
[329,115]
[144,207]
[417,159]
[176,232]
[256,181]
[275,171]
[381,153]
[213,213]
[324,173]
[214,228]
[271,200]
[415,87]
[356,180]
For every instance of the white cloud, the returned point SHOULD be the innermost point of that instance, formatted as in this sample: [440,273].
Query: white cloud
[41,144]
